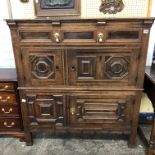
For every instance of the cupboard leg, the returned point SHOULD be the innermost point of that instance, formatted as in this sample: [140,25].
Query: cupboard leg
[133,138]
[134,123]
[27,139]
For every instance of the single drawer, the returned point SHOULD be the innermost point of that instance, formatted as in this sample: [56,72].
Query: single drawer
[7,110]
[7,86]
[7,98]
[9,123]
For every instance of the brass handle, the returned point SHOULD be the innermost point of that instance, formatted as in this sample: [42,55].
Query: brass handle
[4,100]
[7,112]
[9,126]
[5,87]
[57,37]
[100,37]
[23,100]
[73,111]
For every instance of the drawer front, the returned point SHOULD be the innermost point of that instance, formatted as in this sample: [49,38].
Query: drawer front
[79,32]
[44,110]
[8,98]
[102,66]
[10,123]
[42,66]
[7,110]
[7,86]
[123,34]
[100,111]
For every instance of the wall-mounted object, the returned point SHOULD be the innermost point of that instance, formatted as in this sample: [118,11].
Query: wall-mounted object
[57,7]
[24,1]
[111,6]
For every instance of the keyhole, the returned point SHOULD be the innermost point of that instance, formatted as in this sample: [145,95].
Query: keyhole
[73,68]
[57,67]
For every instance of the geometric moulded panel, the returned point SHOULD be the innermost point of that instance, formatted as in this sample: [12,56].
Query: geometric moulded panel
[116,68]
[86,67]
[45,110]
[42,67]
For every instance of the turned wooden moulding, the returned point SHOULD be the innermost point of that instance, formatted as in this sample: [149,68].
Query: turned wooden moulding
[111,6]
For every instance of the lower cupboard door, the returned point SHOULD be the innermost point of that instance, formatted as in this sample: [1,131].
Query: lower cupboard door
[100,111]
[45,111]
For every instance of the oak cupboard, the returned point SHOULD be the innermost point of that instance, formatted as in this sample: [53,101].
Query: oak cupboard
[80,74]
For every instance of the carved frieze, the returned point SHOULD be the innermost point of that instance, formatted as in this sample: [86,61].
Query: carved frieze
[111,6]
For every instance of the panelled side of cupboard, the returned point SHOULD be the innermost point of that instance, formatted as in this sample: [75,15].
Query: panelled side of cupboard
[80,74]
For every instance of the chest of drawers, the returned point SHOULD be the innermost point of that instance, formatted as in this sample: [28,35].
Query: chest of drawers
[80,74]
[10,112]
[9,102]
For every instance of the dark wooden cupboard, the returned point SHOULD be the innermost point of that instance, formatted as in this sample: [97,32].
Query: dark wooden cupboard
[80,74]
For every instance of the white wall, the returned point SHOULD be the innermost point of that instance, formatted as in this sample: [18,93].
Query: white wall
[152,38]
[6,52]
[20,10]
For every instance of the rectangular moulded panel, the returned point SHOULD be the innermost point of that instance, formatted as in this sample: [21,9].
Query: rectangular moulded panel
[100,111]
[35,35]
[44,110]
[78,35]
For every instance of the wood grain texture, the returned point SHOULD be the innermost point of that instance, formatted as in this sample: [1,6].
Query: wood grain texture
[10,113]
[73,82]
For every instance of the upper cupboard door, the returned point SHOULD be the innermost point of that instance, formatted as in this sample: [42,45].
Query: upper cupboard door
[102,66]
[42,66]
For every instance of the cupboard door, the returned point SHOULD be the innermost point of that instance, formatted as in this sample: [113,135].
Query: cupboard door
[100,111]
[102,66]
[44,111]
[42,66]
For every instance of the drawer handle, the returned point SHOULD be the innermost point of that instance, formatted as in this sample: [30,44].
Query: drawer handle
[5,87]
[23,100]
[9,126]
[7,112]
[100,37]
[57,37]
[4,100]
[73,111]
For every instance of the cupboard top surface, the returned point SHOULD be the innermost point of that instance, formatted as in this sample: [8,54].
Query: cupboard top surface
[78,19]
[8,74]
